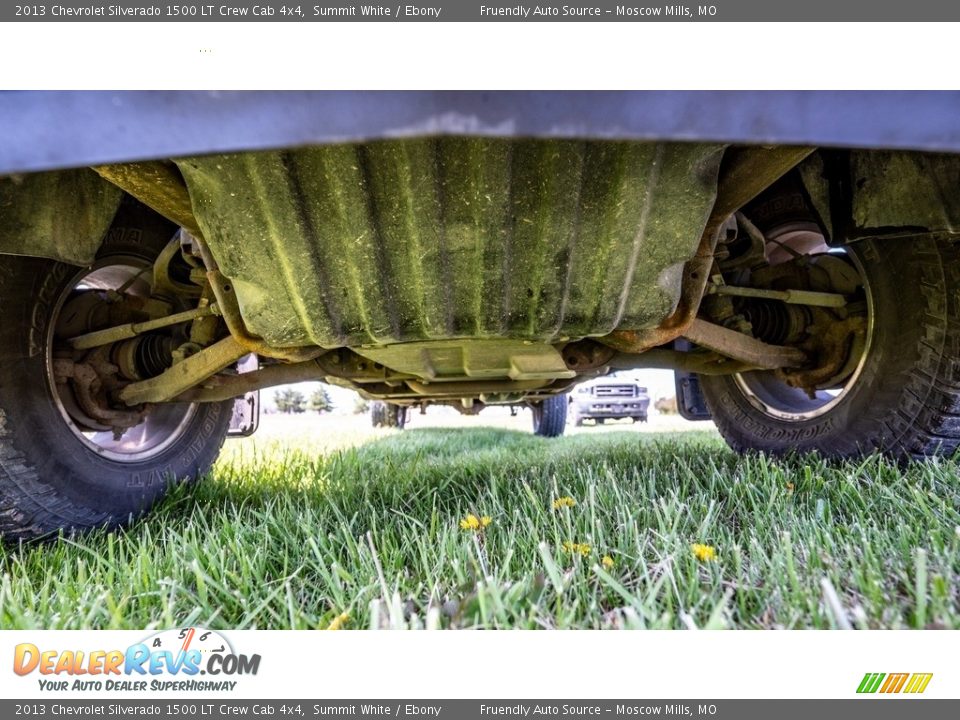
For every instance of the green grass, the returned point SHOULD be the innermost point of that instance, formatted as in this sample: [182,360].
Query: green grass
[292,539]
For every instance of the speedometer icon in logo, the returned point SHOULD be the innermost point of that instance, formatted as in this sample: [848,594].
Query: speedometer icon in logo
[182,640]
[191,651]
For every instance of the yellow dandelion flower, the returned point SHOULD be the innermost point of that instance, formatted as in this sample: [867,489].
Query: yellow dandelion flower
[472,522]
[576,548]
[338,622]
[565,501]
[607,562]
[704,553]
[789,487]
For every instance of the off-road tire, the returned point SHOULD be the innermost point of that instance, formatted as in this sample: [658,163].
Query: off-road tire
[49,479]
[550,416]
[376,413]
[388,415]
[906,400]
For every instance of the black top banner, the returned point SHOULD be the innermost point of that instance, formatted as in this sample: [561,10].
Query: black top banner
[484,11]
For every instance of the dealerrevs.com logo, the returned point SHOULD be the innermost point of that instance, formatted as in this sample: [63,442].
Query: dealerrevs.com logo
[185,659]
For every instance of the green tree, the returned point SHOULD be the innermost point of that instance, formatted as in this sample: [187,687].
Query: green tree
[290,401]
[320,400]
[360,405]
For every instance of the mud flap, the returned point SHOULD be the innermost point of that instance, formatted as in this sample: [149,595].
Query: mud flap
[246,408]
[246,415]
[690,402]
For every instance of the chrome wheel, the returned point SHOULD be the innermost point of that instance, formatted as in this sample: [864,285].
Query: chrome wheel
[767,391]
[162,425]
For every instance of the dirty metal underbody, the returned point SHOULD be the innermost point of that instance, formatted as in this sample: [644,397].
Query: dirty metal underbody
[455,269]
[440,239]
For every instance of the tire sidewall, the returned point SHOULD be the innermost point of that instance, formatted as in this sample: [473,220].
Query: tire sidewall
[550,416]
[33,426]
[855,424]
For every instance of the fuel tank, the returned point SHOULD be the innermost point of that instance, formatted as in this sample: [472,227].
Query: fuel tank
[428,239]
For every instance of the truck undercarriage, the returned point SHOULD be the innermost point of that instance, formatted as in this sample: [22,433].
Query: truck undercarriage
[477,267]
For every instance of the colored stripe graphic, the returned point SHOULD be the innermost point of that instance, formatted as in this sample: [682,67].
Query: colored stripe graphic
[918,682]
[894,683]
[870,682]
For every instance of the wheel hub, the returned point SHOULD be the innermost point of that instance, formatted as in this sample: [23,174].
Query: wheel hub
[837,339]
[84,383]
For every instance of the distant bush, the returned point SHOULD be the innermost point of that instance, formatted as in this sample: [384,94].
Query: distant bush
[290,401]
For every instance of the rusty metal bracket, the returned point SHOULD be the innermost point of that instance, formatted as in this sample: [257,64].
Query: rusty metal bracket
[86,380]
[744,174]
[345,365]
[130,330]
[184,375]
[230,311]
[699,362]
[225,387]
[791,297]
[475,387]
[744,348]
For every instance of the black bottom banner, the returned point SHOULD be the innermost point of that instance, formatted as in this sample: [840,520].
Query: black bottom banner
[875,708]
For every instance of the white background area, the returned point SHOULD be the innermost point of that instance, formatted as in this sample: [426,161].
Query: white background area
[663,664]
[462,56]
